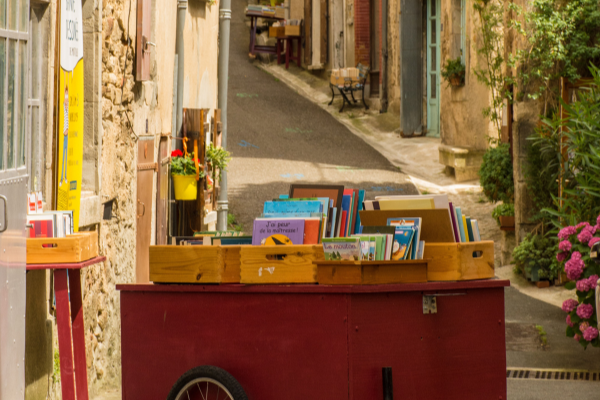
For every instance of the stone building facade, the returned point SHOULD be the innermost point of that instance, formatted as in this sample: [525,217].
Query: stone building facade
[120,111]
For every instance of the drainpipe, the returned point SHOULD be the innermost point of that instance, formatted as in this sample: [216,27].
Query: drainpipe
[384,53]
[223,75]
[179,51]
[177,102]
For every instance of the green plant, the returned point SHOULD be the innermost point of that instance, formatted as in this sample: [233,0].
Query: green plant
[56,367]
[491,22]
[538,251]
[184,165]
[496,174]
[503,210]
[542,334]
[218,158]
[580,199]
[454,69]
[233,224]
[563,38]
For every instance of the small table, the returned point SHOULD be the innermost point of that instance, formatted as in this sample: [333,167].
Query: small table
[70,348]
[289,50]
[253,22]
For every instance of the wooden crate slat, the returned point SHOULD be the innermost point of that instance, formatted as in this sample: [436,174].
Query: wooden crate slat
[279,264]
[186,264]
[371,272]
[456,262]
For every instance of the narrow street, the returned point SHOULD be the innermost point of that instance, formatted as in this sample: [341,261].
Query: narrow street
[277,137]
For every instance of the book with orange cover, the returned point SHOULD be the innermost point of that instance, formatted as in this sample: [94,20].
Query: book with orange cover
[312,231]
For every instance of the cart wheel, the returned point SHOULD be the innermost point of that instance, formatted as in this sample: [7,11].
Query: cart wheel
[207,383]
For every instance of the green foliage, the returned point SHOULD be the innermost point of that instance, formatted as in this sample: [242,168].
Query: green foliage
[542,334]
[233,224]
[56,367]
[183,165]
[563,38]
[503,210]
[454,69]
[496,174]
[542,171]
[491,22]
[218,158]
[538,251]
[581,170]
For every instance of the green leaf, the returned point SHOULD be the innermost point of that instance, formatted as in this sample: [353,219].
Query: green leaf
[570,285]
[570,331]
[575,318]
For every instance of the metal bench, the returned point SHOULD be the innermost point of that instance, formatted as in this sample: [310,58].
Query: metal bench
[347,81]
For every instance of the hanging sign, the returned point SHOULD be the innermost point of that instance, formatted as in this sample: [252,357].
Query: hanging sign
[70,104]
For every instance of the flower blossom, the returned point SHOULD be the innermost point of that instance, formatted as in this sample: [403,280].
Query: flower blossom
[574,267]
[593,241]
[565,245]
[566,232]
[585,235]
[582,224]
[569,305]
[590,334]
[585,311]
[598,220]
[577,337]
[583,285]
[583,326]
[176,153]
[569,322]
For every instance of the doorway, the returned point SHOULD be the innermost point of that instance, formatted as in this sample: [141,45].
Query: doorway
[433,67]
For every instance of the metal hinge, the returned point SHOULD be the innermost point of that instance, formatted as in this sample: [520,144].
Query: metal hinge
[430,301]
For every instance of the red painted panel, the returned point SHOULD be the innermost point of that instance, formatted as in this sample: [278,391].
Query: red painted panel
[78,335]
[458,353]
[278,347]
[63,326]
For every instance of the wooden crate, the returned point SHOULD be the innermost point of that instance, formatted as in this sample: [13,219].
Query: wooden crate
[459,261]
[186,264]
[277,31]
[292,30]
[74,248]
[231,263]
[371,272]
[280,264]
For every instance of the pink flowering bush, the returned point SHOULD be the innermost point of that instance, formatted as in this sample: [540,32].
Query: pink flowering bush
[573,250]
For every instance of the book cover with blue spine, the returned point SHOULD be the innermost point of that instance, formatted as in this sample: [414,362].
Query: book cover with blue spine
[461,227]
[274,207]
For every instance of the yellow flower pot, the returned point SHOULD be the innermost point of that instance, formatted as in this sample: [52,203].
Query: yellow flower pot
[186,187]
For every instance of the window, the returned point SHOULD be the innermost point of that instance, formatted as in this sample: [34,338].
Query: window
[14,27]
[36,103]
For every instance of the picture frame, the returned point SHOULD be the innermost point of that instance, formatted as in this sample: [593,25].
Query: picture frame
[335,192]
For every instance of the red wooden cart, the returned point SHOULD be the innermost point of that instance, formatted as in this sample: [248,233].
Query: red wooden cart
[309,342]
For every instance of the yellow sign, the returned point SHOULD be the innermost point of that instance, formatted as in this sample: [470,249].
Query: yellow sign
[70,103]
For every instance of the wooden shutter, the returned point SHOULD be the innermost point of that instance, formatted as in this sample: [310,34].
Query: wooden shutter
[411,84]
[145,176]
[308,32]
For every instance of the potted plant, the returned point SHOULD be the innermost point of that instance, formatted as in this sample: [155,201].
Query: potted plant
[504,214]
[183,172]
[496,179]
[217,158]
[535,256]
[454,72]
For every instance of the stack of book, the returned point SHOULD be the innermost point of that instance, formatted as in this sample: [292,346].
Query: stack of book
[399,240]
[50,224]
[464,228]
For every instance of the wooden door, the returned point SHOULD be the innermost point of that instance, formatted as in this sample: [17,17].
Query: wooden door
[433,67]
[145,177]
[162,190]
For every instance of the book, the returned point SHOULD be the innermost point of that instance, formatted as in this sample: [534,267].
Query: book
[365,245]
[403,204]
[384,230]
[231,241]
[470,230]
[355,203]
[454,223]
[290,229]
[346,200]
[342,249]
[372,248]
[421,250]
[380,247]
[312,230]
[343,224]
[475,228]
[415,223]
[310,206]
[333,222]
[465,228]
[361,198]
[42,225]
[402,238]
[461,229]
